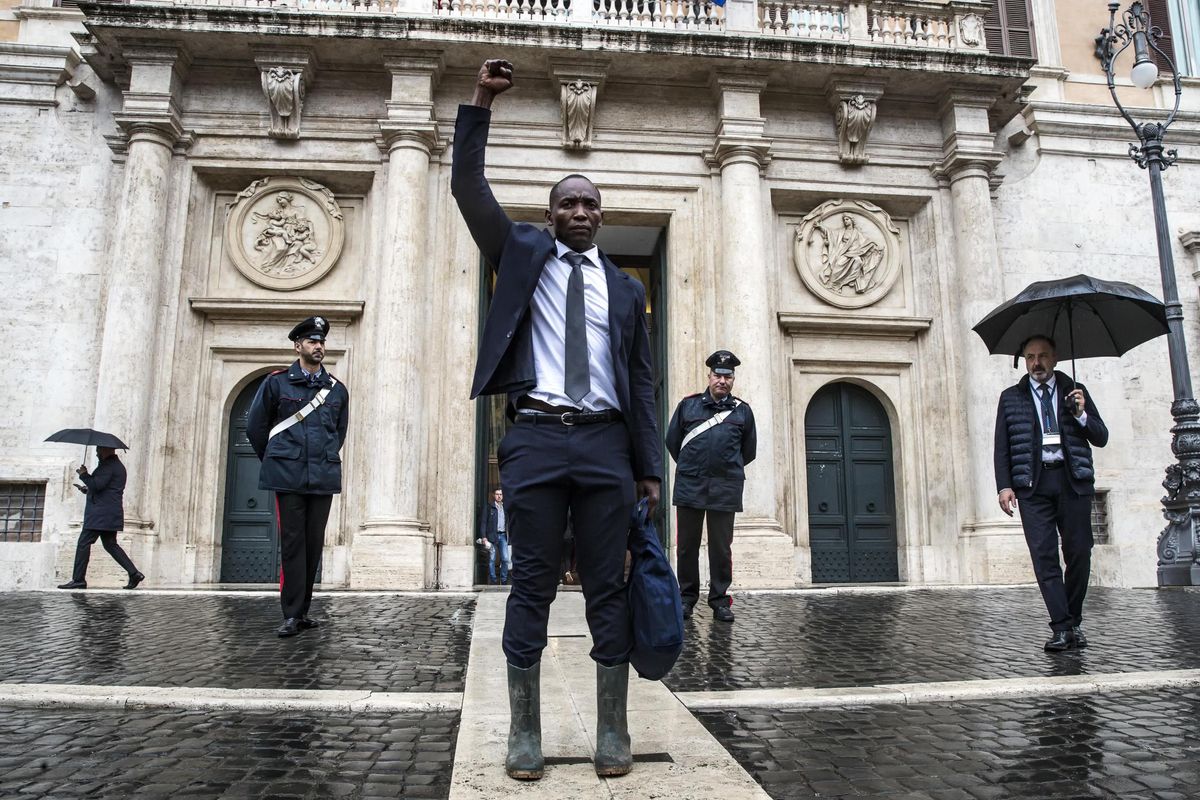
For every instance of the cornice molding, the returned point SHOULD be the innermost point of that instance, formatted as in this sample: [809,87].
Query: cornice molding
[858,325]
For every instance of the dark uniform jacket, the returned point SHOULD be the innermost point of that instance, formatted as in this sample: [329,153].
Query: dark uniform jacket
[305,458]
[105,509]
[710,471]
[1018,445]
[518,253]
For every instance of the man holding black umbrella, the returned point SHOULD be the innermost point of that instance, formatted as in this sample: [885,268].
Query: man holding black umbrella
[103,516]
[1045,429]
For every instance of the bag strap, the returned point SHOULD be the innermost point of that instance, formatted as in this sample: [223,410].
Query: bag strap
[299,416]
[708,424]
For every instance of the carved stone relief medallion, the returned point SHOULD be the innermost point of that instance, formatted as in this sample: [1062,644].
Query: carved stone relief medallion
[848,253]
[970,29]
[284,233]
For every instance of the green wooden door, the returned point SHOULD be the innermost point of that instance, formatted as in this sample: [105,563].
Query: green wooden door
[851,493]
[250,538]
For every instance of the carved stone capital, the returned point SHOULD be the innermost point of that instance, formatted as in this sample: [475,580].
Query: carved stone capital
[853,104]
[579,82]
[728,150]
[410,120]
[287,73]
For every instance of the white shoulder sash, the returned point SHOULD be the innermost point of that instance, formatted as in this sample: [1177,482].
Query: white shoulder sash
[299,416]
[708,424]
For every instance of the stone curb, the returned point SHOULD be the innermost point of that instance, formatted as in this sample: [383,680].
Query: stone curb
[890,589]
[58,695]
[941,692]
[144,592]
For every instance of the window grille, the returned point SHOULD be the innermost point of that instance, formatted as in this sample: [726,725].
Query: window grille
[22,506]
[1100,516]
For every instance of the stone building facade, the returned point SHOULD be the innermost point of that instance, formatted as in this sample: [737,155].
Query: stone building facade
[835,191]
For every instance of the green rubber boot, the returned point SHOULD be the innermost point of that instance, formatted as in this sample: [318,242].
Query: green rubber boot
[524,761]
[613,756]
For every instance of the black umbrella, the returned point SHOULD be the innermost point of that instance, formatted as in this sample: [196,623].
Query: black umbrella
[86,437]
[1086,317]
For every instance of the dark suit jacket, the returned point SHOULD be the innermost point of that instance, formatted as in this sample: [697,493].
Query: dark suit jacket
[487,527]
[518,253]
[1018,442]
[105,509]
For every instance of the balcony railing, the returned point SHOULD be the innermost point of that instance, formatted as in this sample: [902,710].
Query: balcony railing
[953,25]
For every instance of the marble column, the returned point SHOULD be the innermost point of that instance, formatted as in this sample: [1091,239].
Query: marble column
[127,372]
[966,168]
[394,547]
[763,553]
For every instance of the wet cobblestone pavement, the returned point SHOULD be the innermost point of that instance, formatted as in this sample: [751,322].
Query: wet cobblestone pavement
[840,640]
[62,754]
[1137,746]
[390,643]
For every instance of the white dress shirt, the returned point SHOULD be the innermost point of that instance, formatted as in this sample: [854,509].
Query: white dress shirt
[549,310]
[1050,452]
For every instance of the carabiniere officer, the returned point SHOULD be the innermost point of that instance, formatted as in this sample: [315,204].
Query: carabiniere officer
[297,425]
[712,439]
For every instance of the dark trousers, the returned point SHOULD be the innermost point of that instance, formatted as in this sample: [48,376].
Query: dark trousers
[302,519]
[688,525]
[546,470]
[83,552]
[1054,510]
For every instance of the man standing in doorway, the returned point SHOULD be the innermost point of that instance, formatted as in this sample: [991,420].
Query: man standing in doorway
[103,516]
[1045,428]
[566,340]
[297,425]
[712,438]
[494,531]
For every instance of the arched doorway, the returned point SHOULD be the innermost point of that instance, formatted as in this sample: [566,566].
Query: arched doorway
[249,536]
[851,492]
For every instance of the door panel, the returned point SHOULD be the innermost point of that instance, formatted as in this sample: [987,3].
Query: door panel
[851,497]
[250,538]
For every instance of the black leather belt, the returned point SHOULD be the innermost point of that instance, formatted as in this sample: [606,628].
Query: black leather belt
[570,418]
[1052,465]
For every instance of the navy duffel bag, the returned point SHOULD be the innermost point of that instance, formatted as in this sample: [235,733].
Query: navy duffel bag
[654,603]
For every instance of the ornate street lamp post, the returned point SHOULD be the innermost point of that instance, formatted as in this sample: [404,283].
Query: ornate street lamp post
[1179,543]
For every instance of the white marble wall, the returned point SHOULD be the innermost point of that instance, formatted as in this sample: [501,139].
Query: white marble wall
[1066,205]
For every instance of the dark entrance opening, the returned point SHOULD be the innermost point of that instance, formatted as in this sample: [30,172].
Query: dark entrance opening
[851,493]
[639,251]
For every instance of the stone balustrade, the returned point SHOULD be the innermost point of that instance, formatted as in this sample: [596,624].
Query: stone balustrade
[803,19]
[956,25]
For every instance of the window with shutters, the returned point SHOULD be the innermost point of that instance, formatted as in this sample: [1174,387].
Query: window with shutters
[1160,17]
[1009,29]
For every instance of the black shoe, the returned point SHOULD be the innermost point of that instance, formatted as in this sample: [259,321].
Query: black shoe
[687,612]
[1061,640]
[134,580]
[723,614]
[1080,639]
[73,585]
[306,623]
[290,627]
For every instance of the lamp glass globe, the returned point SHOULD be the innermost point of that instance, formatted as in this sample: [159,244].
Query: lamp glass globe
[1144,74]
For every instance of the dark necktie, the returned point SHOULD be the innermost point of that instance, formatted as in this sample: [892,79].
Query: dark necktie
[1049,419]
[577,380]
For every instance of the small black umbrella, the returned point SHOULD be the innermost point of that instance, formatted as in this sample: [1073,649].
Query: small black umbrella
[1087,317]
[86,437]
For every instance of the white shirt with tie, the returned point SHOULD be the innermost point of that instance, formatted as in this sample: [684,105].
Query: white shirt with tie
[549,320]
[1050,452]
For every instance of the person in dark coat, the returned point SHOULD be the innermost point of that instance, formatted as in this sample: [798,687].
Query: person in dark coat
[566,339]
[712,438]
[103,516]
[297,425]
[493,529]
[1046,427]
